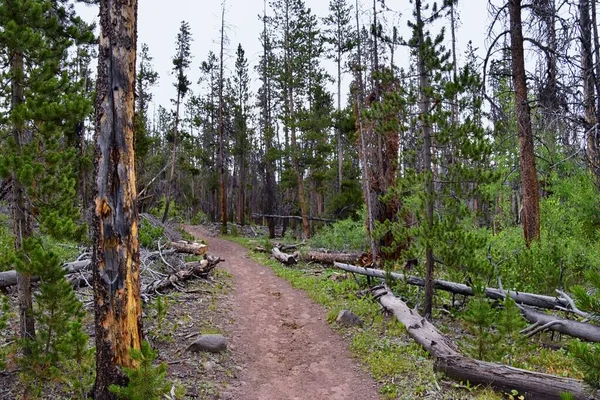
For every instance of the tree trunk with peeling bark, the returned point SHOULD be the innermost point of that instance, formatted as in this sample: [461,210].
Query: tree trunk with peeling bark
[118,309]
[529,180]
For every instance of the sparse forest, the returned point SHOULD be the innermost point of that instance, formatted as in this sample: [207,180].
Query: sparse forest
[448,194]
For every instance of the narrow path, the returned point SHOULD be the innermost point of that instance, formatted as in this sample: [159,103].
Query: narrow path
[288,350]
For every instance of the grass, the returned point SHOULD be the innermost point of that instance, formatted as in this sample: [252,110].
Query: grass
[402,368]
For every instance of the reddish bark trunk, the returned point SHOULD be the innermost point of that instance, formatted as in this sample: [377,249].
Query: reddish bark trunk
[529,180]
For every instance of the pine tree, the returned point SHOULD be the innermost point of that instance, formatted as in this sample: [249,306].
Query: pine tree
[146,78]
[181,62]
[242,144]
[44,107]
[339,34]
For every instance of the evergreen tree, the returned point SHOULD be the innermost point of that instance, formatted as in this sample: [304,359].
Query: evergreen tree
[339,34]
[43,106]
[181,63]
[146,78]
[241,115]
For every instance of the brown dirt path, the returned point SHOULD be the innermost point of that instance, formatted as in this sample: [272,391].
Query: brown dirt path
[288,350]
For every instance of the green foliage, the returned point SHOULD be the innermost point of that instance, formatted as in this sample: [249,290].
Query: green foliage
[480,316]
[586,355]
[60,337]
[147,382]
[568,243]
[149,235]
[163,327]
[494,327]
[175,213]
[344,235]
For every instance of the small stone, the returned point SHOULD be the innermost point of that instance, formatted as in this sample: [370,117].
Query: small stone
[209,343]
[348,318]
[209,365]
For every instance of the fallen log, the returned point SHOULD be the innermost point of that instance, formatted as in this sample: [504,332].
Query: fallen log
[532,385]
[191,270]
[323,257]
[297,217]
[287,259]
[541,321]
[530,299]
[9,278]
[189,247]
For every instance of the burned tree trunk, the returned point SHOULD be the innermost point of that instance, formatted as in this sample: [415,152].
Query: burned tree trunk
[118,309]
[529,180]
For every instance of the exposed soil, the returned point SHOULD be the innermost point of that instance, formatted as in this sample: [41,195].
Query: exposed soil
[281,339]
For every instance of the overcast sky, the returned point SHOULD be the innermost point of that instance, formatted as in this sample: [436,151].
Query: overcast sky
[159,21]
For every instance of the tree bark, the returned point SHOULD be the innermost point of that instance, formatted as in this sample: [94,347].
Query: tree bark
[118,312]
[581,330]
[529,180]
[532,385]
[189,248]
[22,218]
[424,104]
[323,257]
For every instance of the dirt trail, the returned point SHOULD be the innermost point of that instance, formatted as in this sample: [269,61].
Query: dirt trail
[288,350]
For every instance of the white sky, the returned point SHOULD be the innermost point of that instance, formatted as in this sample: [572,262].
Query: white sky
[159,21]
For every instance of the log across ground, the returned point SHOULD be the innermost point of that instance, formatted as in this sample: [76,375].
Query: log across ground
[287,348]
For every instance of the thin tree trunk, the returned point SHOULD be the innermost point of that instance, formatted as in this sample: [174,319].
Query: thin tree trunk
[340,149]
[587,70]
[424,104]
[171,183]
[222,177]
[22,218]
[529,180]
[363,148]
[118,312]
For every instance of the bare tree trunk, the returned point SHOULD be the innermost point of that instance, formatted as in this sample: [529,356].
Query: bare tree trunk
[118,309]
[587,70]
[22,218]
[222,184]
[171,183]
[363,149]
[529,180]
[424,104]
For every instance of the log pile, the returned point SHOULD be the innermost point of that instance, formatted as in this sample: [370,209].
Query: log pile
[532,385]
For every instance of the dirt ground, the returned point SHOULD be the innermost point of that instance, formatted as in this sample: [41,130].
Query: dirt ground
[280,338]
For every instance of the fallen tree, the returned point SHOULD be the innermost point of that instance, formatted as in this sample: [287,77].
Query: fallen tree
[197,269]
[530,299]
[287,259]
[189,247]
[323,257]
[532,385]
[9,278]
[298,217]
[542,322]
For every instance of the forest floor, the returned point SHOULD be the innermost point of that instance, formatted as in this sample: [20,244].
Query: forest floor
[279,339]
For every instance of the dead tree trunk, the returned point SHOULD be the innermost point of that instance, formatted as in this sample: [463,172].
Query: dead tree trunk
[530,299]
[532,385]
[287,259]
[118,309]
[529,180]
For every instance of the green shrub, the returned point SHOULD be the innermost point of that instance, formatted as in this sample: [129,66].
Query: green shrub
[344,235]
[150,235]
[147,382]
